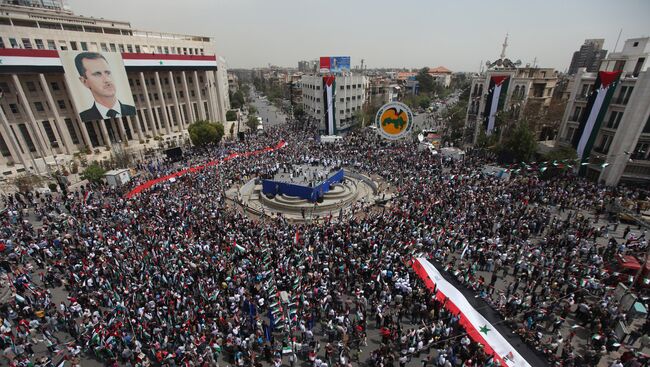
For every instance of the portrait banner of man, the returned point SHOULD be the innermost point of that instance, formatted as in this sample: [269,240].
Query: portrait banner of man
[98,84]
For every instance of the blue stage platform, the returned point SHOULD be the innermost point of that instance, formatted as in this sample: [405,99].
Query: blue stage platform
[273,187]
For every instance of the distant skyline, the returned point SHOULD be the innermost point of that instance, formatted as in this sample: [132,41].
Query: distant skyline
[459,35]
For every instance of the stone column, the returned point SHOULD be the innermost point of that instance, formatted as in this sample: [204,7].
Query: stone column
[85,138]
[164,105]
[58,121]
[177,106]
[188,102]
[197,86]
[33,125]
[12,144]
[138,128]
[148,102]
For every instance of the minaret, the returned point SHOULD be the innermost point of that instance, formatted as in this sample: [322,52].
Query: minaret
[503,50]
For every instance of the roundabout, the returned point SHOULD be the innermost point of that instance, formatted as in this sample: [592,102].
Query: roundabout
[352,192]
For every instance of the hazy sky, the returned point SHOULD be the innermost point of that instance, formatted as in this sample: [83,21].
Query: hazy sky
[458,34]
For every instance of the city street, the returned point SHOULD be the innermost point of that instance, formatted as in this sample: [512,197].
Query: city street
[270,114]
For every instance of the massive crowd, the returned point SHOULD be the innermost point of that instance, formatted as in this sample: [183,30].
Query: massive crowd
[180,275]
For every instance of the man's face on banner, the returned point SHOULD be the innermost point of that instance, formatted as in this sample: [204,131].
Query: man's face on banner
[98,78]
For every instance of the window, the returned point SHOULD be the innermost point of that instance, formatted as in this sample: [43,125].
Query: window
[27,43]
[55,86]
[63,46]
[605,142]
[31,86]
[84,46]
[93,46]
[4,149]
[2,43]
[73,45]
[577,113]
[181,94]
[569,133]
[14,108]
[138,49]
[137,82]
[340,99]
[192,93]
[342,87]
[39,44]
[113,48]
[39,106]
[619,65]
[155,96]
[166,49]
[641,151]
[4,87]
[129,48]
[121,47]
[635,44]
[638,66]
[103,47]
[71,130]
[28,139]
[166,80]
[50,134]
[585,91]
[614,119]
[13,43]
[159,49]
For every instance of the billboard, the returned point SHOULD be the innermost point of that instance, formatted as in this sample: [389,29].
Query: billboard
[334,64]
[98,84]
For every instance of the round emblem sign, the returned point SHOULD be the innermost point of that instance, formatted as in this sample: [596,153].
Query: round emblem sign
[394,120]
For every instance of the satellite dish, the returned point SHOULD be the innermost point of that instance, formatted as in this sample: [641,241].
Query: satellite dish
[518,62]
[420,137]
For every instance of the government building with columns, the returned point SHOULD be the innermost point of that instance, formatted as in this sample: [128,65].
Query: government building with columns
[173,79]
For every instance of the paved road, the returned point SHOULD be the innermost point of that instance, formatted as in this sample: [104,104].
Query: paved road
[270,114]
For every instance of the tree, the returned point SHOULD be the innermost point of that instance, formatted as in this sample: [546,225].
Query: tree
[205,132]
[237,100]
[425,81]
[520,144]
[561,153]
[93,173]
[252,122]
[27,181]
[251,109]
[231,115]
[424,102]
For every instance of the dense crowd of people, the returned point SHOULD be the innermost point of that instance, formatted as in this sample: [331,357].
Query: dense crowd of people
[180,275]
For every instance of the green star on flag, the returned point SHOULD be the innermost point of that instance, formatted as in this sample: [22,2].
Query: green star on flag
[160,62]
[484,329]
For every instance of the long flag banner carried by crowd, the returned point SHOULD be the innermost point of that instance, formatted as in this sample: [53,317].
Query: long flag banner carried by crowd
[138,189]
[594,114]
[477,327]
[495,99]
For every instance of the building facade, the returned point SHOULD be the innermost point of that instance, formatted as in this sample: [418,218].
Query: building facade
[174,80]
[621,150]
[589,56]
[526,86]
[348,96]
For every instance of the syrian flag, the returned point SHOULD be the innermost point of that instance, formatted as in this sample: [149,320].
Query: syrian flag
[88,197]
[477,327]
[595,114]
[496,97]
[296,238]
[328,85]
